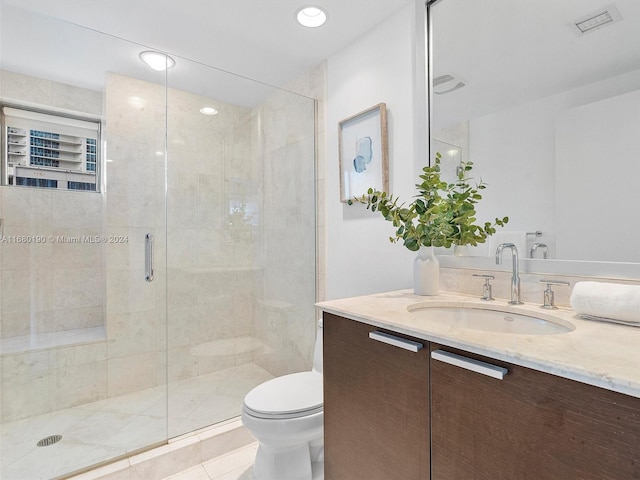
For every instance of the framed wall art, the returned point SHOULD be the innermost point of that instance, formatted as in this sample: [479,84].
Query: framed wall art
[363,153]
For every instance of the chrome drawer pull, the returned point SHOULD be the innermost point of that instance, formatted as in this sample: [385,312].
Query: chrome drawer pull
[396,341]
[477,366]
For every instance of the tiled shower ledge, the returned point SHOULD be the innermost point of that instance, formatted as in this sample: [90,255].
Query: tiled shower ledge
[45,341]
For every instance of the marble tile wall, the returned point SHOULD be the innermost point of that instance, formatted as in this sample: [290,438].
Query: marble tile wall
[285,318]
[136,317]
[28,271]
[213,229]
[50,286]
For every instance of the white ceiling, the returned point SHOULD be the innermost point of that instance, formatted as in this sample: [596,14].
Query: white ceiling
[259,39]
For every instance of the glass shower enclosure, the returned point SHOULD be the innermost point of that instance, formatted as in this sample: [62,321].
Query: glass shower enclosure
[157,245]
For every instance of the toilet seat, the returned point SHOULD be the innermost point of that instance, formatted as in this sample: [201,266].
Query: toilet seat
[291,396]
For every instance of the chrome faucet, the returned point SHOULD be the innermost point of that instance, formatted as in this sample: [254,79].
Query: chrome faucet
[515,279]
[543,246]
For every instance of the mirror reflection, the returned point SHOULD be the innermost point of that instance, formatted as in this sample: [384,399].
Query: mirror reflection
[544,99]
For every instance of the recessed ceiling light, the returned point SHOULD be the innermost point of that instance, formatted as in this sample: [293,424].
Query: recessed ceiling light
[208,111]
[311,16]
[156,60]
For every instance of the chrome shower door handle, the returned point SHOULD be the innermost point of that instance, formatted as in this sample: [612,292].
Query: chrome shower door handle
[148,257]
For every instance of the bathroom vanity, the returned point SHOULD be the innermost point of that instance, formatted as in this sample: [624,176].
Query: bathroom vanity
[411,394]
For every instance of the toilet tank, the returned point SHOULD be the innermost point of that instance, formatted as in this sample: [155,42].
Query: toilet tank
[317,351]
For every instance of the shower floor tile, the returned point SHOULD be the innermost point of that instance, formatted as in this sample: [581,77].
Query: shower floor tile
[98,431]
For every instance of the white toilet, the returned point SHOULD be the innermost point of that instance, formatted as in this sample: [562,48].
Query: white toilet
[285,416]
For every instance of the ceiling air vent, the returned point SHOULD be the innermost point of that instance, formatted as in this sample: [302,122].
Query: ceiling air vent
[598,19]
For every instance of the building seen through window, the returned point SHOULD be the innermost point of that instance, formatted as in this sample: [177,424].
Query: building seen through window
[49,151]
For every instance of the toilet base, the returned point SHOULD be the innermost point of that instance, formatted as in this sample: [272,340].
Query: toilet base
[299,462]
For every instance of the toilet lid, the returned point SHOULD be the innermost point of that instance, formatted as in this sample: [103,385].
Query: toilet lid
[290,396]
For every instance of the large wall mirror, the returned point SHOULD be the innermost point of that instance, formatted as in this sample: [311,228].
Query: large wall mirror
[544,98]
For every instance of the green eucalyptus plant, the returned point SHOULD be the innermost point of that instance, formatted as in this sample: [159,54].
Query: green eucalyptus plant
[442,214]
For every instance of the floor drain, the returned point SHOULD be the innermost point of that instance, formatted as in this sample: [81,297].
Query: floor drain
[50,440]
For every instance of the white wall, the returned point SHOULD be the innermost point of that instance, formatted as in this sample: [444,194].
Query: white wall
[514,151]
[378,67]
[608,171]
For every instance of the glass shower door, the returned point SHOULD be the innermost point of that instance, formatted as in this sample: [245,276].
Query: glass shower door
[82,333]
[241,240]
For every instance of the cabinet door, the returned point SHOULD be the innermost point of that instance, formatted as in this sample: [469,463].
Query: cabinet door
[530,425]
[376,405]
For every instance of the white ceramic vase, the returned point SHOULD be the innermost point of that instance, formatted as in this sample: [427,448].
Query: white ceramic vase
[426,272]
[461,250]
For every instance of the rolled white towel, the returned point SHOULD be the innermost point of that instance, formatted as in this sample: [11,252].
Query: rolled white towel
[607,300]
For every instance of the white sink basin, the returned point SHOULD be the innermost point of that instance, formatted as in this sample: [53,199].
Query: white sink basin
[491,320]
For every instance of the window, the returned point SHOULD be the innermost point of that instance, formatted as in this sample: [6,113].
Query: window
[49,151]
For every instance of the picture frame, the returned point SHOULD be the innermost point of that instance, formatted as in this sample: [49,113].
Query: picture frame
[363,153]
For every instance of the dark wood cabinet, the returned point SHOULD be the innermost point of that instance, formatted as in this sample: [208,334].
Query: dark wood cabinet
[529,425]
[376,405]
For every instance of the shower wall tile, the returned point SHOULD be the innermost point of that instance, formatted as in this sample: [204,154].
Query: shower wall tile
[75,98]
[299,123]
[95,353]
[27,207]
[182,201]
[289,257]
[129,253]
[39,382]
[136,111]
[25,291]
[77,384]
[136,204]
[131,373]
[23,366]
[273,131]
[77,210]
[182,288]
[24,397]
[183,253]
[24,256]
[211,247]
[14,324]
[82,254]
[33,301]
[182,364]
[131,333]
[25,88]
[76,288]
[69,318]
[126,293]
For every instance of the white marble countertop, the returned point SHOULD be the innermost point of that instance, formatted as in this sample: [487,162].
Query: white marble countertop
[600,354]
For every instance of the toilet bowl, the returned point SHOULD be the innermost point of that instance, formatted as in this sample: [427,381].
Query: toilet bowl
[285,415]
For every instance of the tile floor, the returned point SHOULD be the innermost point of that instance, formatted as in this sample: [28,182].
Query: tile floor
[106,429]
[235,465]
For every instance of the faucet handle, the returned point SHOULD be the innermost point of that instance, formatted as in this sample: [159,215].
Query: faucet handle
[535,246]
[549,296]
[486,288]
